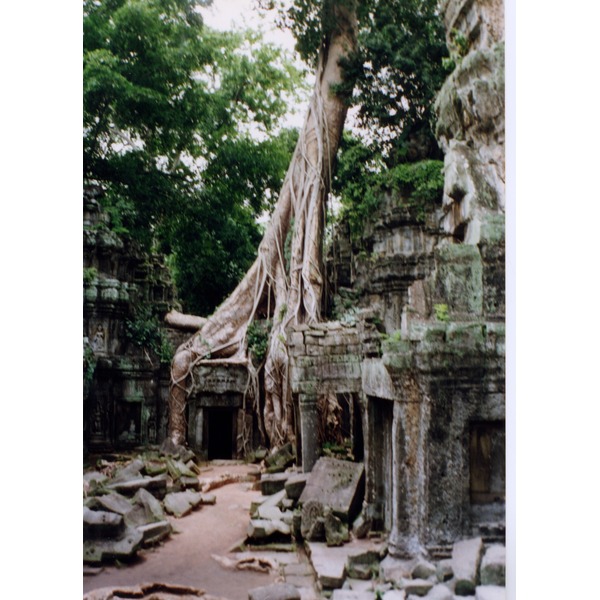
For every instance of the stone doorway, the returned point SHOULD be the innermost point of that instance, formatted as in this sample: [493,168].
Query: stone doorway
[381,420]
[487,444]
[221,433]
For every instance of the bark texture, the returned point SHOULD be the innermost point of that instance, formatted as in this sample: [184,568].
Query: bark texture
[289,290]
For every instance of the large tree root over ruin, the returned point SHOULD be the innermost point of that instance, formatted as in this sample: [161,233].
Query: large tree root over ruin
[287,289]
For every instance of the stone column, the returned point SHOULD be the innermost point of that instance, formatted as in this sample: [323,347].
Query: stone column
[309,422]
[409,456]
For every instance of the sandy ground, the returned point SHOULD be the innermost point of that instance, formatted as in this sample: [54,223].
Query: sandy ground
[186,558]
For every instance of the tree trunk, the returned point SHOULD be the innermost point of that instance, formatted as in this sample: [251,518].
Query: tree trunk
[288,292]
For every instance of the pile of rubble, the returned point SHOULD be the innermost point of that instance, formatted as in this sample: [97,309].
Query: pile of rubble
[126,504]
[321,510]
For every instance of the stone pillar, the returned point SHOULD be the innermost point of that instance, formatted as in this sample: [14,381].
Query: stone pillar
[409,456]
[309,427]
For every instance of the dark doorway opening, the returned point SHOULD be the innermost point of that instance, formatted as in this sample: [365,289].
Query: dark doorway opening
[382,416]
[221,433]
[487,462]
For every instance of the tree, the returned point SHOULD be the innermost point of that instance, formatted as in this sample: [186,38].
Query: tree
[392,51]
[169,111]
[288,291]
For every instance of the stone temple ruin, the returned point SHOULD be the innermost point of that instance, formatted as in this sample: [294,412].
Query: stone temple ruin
[416,363]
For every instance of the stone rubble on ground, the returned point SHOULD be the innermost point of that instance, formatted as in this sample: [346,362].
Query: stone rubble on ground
[125,509]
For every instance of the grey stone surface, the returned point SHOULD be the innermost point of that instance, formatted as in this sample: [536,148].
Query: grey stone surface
[152,506]
[271,483]
[180,504]
[260,529]
[394,595]
[95,551]
[493,566]
[295,485]
[101,524]
[312,525]
[396,570]
[423,569]
[280,459]
[153,533]
[336,532]
[157,484]
[115,502]
[490,592]
[352,595]
[417,587]
[466,558]
[444,570]
[440,592]
[275,591]
[337,483]
[329,563]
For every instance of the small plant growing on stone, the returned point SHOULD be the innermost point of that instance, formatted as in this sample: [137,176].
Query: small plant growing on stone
[257,336]
[89,275]
[441,312]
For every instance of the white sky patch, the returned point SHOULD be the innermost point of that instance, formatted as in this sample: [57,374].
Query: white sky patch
[230,15]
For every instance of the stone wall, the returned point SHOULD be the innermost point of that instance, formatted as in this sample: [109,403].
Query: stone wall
[126,386]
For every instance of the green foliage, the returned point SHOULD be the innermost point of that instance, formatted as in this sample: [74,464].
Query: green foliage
[89,274]
[144,331]
[89,367]
[257,336]
[441,312]
[399,66]
[169,106]
[460,44]
[362,179]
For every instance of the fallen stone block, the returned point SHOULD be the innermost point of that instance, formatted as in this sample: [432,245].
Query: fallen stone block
[95,551]
[363,565]
[208,499]
[338,484]
[466,558]
[130,471]
[444,571]
[417,587]
[275,591]
[271,483]
[312,525]
[157,485]
[152,506]
[353,595]
[280,459]
[394,595]
[295,485]
[423,569]
[154,467]
[493,566]
[98,524]
[260,529]
[181,504]
[137,516]
[361,526]
[115,502]
[94,477]
[329,566]
[440,592]
[395,570]
[490,592]
[153,533]
[192,483]
[336,532]
[269,512]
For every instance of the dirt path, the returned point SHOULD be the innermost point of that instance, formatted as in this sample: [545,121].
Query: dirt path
[185,558]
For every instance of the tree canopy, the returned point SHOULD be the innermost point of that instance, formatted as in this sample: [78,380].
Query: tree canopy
[181,129]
